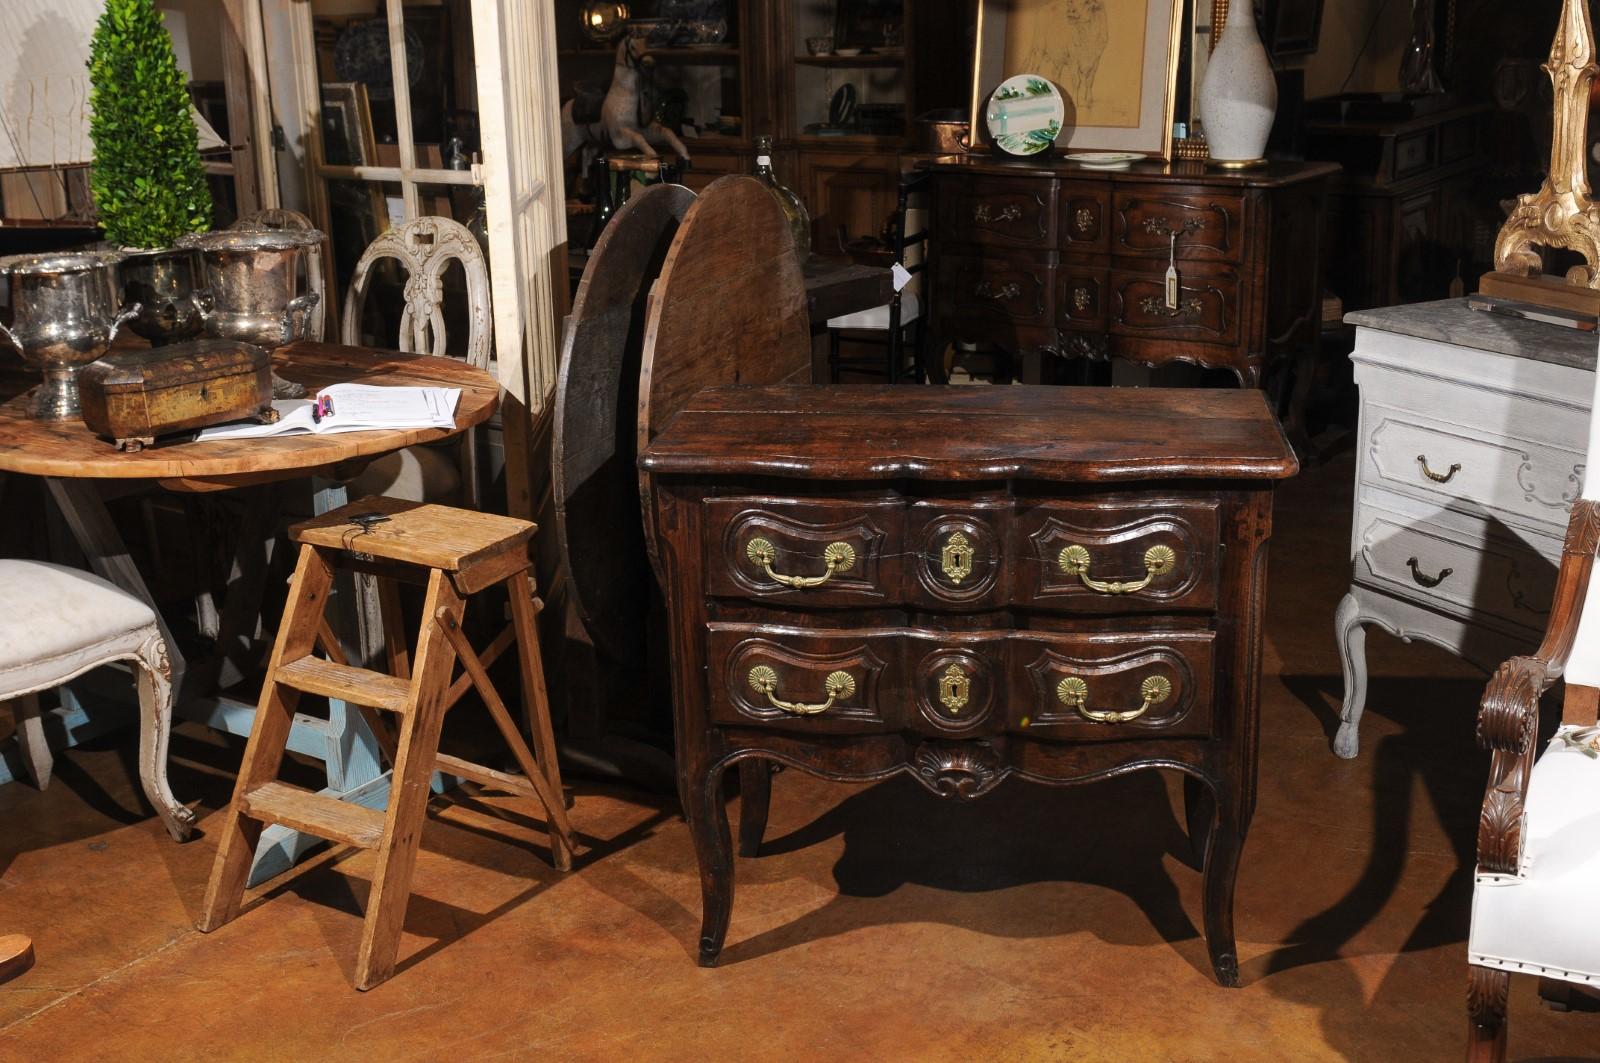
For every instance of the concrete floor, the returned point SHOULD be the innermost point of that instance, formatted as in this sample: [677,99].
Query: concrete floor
[880,924]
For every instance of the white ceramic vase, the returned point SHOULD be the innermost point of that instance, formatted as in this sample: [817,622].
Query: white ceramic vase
[1239,95]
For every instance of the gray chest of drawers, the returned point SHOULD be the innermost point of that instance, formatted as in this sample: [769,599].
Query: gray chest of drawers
[1471,450]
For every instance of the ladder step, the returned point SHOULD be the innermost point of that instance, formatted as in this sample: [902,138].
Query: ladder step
[483,776]
[359,686]
[326,817]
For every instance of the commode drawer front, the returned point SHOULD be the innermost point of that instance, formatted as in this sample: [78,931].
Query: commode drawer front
[1466,467]
[1207,227]
[1113,556]
[809,680]
[1207,307]
[1472,576]
[810,552]
[1084,210]
[1014,290]
[1000,213]
[1112,685]
[1082,293]
[956,554]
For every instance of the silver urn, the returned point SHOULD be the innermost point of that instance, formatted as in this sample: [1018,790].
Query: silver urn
[169,286]
[67,310]
[254,279]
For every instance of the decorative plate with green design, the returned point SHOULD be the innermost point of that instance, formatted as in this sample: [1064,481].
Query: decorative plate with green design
[1025,114]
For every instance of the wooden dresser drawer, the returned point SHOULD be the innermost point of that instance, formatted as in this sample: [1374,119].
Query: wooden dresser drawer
[1151,555]
[1083,217]
[1013,289]
[1477,576]
[811,552]
[1081,294]
[823,681]
[1209,226]
[999,212]
[1111,685]
[1102,685]
[1207,310]
[956,554]
[1470,469]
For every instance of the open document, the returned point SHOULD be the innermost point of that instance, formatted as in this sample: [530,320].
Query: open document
[351,408]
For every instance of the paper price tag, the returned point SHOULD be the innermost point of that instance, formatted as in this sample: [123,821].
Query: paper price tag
[901,276]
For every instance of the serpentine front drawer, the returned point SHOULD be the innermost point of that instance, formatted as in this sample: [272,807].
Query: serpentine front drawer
[1002,213]
[813,552]
[1467,569]
[1475,468]
[1105,685]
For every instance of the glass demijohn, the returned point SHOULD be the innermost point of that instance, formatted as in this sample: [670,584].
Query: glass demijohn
[793,209]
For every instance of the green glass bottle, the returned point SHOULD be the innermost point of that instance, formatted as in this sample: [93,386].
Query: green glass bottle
[793,209]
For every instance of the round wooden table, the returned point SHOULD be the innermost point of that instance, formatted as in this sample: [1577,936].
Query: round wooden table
[67,449]
[72,460]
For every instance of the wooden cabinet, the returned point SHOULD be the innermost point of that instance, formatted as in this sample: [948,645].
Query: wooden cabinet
[1055,260]
[962,585]
[1470,452]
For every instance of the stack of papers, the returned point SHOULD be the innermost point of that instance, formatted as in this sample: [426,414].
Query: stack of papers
[351,408]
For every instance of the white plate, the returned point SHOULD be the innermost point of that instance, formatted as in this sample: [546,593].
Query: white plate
[1024,115]
[1105,160]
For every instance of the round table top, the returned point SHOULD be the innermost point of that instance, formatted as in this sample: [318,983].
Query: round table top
[69,449]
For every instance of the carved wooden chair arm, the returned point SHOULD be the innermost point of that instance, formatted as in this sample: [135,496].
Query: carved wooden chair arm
[1508,717]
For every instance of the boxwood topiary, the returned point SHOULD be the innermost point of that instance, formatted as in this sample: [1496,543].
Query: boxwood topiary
[148,181]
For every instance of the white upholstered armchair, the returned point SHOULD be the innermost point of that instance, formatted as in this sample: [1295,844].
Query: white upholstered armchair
[1538,875]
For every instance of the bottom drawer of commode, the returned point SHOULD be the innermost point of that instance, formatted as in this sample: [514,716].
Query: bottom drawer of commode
[1104,685]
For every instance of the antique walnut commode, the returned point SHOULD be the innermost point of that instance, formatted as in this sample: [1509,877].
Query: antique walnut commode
[1062,584]
[1042,257]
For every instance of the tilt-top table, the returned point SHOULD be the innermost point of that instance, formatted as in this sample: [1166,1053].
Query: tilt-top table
[72,461]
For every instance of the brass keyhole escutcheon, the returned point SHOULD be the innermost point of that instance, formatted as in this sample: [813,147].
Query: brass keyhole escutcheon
[955,560]
[955,688]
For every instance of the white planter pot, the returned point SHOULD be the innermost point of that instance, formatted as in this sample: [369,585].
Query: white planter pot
[1239,95]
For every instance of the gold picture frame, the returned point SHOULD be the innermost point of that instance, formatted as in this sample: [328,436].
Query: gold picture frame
[1115,62]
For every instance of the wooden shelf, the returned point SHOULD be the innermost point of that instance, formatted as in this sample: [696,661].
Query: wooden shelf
[869,60]
[851,140]
[673,56]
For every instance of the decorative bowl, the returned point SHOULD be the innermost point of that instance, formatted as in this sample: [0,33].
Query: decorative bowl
[819,45]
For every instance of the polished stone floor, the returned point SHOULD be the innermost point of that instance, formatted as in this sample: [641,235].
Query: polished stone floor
[879,924]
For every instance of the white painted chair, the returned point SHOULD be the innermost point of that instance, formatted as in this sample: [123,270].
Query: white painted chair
[1537,884]
[425,247]
[57,623]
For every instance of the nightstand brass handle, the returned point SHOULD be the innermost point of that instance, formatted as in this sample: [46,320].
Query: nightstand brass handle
[1158,561]
[1426,580]
[1073,692]
[982,213]
[838,685]
[1438,477]
[839,557]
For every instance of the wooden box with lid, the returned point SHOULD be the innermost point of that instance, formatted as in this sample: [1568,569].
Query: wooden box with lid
[1061,584]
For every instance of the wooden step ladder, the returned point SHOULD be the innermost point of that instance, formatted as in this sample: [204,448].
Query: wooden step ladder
[456,554]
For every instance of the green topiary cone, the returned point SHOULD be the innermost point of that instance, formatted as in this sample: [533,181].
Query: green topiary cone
[148,181]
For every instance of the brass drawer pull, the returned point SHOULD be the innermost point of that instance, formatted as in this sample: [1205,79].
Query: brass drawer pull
[838,685]
[1073,692]
[839,557]
[955,559]
[955,687]
[1424,580]
[985,290]
[1438,477]
[1190,306]
[1158,561]
[1083,219]
[1162,227]
[980,213]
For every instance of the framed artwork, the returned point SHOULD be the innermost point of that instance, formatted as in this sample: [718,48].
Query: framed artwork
[1290,27]
[1115,62]
[347,135]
